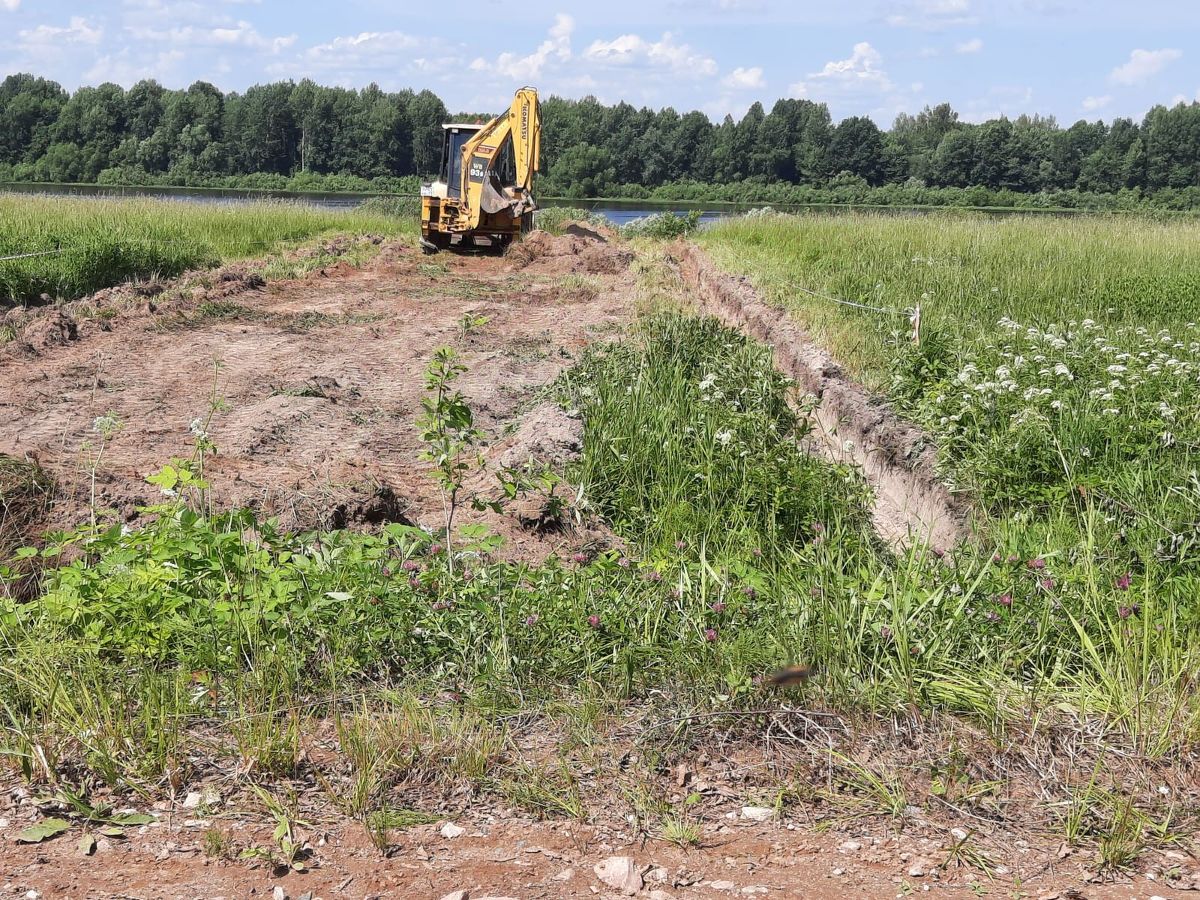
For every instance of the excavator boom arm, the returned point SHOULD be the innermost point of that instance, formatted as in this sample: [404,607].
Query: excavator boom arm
[522,123]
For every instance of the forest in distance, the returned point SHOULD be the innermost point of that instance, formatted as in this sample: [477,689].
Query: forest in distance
[305,136]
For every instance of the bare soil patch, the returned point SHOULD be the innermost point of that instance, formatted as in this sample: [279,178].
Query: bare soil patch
[823,840]
[322,378]
[897,458]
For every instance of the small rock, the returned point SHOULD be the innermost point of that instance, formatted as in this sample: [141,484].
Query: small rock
[565,875]
[1157,897]
[758,813]
[458,895]
[278,893]
[450,830]
[917,871]
[620,872]
[207,797]
[850,846]
[959,834]
[32,895]
[659,894]
[723,886]
[659,874]
[839,871]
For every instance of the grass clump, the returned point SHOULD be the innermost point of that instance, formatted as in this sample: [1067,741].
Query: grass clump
[664,225]
[109,241]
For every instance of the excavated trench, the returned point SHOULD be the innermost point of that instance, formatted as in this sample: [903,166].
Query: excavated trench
[912,505]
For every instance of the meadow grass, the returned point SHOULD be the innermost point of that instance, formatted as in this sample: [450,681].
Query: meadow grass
[966,271]
[107,241]
[741,552]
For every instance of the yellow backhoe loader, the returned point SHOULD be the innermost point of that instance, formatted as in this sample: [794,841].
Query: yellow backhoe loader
[484,196]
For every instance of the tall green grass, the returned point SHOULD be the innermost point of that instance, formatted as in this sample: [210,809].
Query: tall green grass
[966,272]
[108,241]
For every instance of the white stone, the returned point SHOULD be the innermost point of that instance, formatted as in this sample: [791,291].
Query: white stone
[850,846]
[758,813]
[458,895]
[450,830]
[620,872]
[723,886]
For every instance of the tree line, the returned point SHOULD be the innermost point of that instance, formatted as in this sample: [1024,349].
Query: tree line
[285,133]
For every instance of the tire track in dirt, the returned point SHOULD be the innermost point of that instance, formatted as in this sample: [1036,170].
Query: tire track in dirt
[898,459]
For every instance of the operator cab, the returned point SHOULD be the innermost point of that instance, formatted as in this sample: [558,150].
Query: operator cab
[448,185]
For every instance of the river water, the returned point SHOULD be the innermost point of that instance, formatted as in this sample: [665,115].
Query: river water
[619,212]
[616,211]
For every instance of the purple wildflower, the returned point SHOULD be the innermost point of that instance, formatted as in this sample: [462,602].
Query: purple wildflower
[710,634]
[1037,564]
[718,607]
[594,621]
[1005,600]
[624,562]
[531,620]
[410,566]
[1124,581]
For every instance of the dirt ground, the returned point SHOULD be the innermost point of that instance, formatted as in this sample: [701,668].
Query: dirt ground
[497,854]
[320,380]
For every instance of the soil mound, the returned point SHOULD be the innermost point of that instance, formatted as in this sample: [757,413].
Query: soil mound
[26,493]
[548,436]
[579,250]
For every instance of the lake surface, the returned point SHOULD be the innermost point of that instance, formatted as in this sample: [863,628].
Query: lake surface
[619,212]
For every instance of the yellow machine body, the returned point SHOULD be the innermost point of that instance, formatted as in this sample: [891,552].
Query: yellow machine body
[484,195]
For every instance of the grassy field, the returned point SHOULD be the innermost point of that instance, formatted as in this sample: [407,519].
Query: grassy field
[107,241]
[965,271]
[1071,622]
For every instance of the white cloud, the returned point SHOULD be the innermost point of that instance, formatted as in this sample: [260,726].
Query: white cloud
[79,31]
[1143,65]
[931,13]
[236,34]
[972,46]
[10,5]
[745,79]
[861,74]
[122,68]
[720,6]
[1092,104]
[557,46]
[392,58]
[634,51]
[1184,98]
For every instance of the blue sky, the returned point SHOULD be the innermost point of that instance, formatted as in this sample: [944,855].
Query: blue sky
[1067,58]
